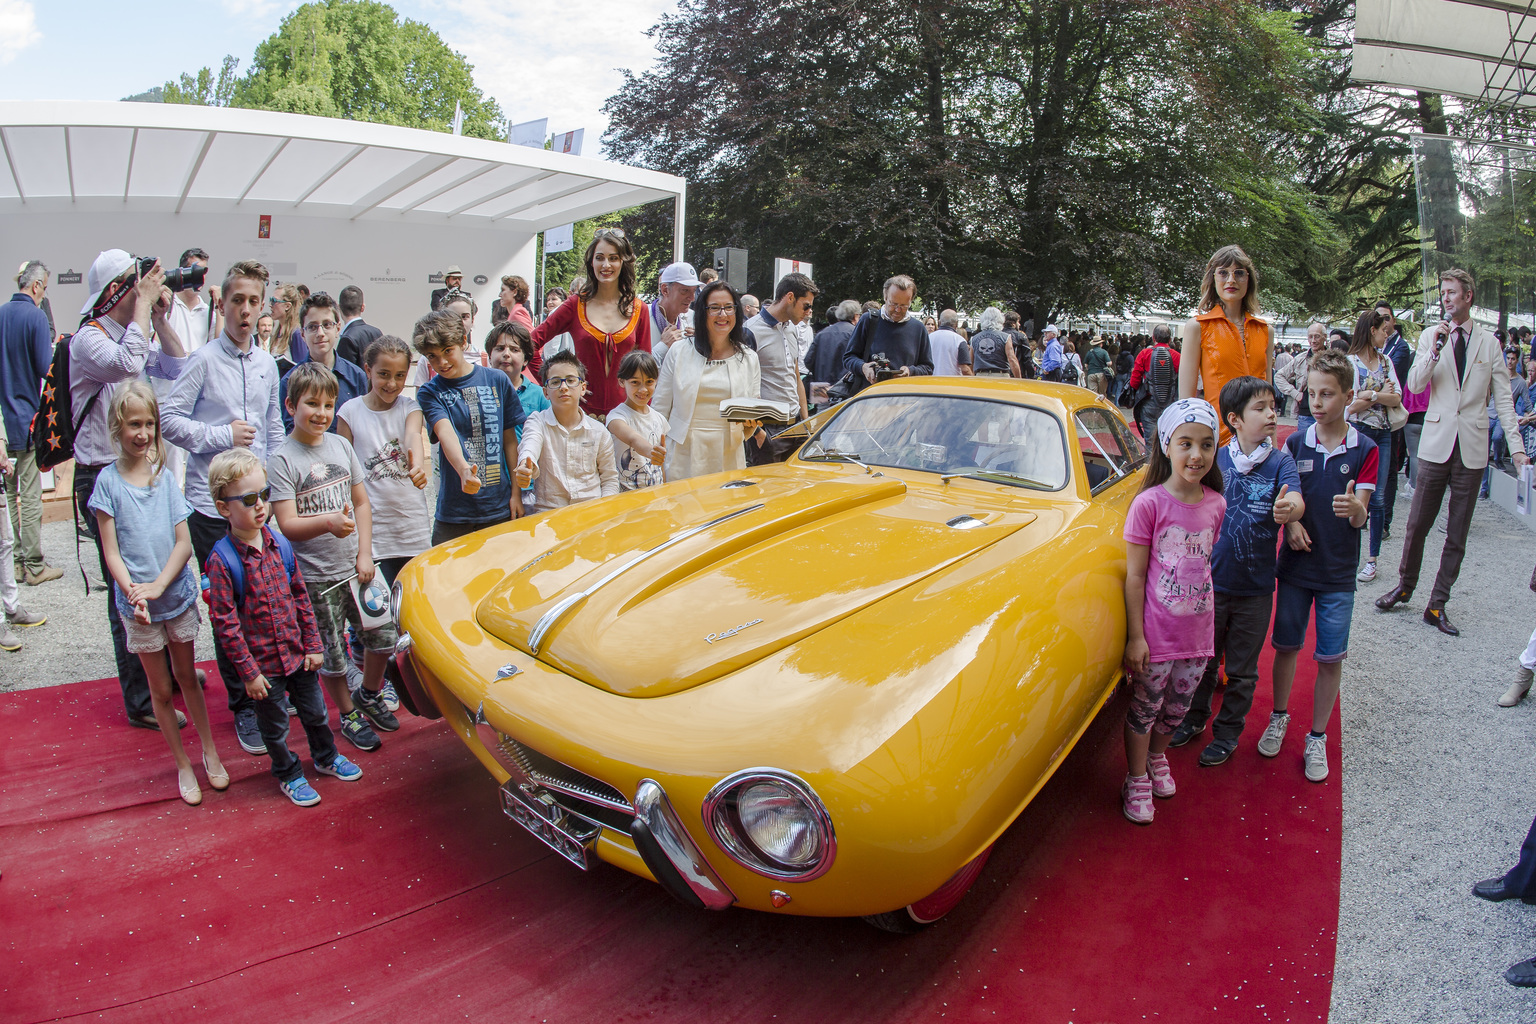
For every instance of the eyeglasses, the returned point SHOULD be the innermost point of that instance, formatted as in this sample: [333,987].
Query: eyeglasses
[562,383]
[249,500]
[320,325]
[719,310]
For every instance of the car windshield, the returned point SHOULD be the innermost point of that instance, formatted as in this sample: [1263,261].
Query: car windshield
[999,441]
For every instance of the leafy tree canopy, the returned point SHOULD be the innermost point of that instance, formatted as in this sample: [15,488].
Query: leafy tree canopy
[1062,155]
[353,59]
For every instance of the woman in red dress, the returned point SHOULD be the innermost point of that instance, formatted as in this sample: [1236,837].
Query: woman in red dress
[605,319]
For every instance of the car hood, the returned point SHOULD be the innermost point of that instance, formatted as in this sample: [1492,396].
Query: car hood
[702,582]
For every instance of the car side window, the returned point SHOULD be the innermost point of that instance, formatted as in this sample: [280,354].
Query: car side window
[1110,450]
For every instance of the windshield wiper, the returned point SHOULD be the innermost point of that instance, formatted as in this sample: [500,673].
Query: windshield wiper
[993,474]
[832,453]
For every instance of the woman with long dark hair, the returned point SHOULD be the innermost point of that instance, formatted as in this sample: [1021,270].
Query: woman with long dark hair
[1226,338]
[1376,390]
[605,319]
[701,372]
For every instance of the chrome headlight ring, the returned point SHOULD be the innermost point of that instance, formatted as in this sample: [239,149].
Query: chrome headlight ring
[763,787]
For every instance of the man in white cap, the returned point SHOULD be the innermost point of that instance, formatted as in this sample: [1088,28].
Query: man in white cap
[453,279]
[117,345]
[675,292]
[1053,359]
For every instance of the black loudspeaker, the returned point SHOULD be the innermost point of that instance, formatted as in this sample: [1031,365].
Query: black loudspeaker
[731,265]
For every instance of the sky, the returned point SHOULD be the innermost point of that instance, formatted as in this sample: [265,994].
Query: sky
[558,59]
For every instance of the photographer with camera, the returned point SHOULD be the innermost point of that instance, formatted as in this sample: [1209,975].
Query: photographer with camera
[195,318]
[128,298]
[892,332]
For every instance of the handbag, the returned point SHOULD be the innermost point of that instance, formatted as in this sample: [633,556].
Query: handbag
[1397,417]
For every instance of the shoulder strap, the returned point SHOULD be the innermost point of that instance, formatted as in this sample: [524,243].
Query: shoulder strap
[224,551]
[285,549]
[91,402]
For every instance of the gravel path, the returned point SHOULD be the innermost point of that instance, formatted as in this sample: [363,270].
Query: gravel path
[1435,775]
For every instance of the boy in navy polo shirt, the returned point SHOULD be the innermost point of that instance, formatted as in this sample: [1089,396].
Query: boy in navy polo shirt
[1263,493]
[1337,465]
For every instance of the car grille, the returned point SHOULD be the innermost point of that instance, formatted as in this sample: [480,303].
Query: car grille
[579,792]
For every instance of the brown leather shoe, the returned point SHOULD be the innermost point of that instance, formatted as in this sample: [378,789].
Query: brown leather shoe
[1436,617]
[1395,596]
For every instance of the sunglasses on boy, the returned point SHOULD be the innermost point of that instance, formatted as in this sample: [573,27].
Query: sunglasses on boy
[249,500]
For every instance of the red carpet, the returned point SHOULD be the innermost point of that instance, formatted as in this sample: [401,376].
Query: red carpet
[408,895]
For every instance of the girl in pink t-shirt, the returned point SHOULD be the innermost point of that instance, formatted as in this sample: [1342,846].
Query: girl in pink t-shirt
[1169,599]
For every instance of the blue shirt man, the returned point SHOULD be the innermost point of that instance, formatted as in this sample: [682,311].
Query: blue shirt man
[1053,358]
[26,349]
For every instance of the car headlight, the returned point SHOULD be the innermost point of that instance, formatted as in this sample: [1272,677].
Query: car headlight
[395,590]
[772,823]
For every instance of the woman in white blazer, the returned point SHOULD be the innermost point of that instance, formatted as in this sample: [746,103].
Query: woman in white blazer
[698,374]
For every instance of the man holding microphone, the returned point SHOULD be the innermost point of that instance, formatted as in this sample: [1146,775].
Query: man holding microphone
[1457,360]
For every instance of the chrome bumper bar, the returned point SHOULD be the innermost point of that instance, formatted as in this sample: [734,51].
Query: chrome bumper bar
[670,853]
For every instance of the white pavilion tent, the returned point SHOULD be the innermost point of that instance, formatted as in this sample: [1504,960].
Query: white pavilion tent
[320,201]
[1480,50]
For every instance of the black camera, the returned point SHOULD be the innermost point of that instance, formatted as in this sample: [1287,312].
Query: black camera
[883,368]
[179,279]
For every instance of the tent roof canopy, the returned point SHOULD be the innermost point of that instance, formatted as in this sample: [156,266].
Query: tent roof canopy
[1481,50]
[76,156]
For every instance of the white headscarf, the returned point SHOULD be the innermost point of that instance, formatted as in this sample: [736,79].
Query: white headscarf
[1185,410]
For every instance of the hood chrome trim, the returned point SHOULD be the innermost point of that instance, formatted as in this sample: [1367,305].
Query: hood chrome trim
[548,620]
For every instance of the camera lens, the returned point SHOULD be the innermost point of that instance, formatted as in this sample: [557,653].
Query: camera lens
[183,278]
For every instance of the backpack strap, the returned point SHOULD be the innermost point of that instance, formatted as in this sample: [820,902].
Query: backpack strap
[285,549]
[224,551]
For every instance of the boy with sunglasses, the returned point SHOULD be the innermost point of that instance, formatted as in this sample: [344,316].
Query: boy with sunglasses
[566,454]
[266,624]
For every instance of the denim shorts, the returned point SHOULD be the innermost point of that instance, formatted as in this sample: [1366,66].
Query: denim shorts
[1334,610]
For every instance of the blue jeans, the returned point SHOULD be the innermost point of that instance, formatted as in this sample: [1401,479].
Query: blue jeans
[1303,421]
[1378,506]
[304,688]
[1334,610]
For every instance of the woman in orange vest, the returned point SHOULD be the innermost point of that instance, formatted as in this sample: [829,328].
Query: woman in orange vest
[1226,339]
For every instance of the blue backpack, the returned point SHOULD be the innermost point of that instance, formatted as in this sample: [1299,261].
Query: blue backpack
[228,557]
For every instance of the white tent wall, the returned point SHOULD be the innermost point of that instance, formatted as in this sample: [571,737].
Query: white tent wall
[391,263]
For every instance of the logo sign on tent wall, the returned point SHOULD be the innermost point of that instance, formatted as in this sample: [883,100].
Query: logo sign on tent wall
[561,239]
[782,268]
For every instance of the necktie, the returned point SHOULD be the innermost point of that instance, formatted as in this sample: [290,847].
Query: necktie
[1460,347]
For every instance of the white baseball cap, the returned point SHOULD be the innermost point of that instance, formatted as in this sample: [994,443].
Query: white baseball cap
[1051,329]
[109,266]
[680,273]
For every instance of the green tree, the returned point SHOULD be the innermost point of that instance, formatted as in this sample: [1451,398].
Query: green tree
[353,59]
[1068,155]
[203,89]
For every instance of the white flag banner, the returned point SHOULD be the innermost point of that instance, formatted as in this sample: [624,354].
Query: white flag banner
[458,118]
[570,142]
[529,133]
[783,268]
[561,239]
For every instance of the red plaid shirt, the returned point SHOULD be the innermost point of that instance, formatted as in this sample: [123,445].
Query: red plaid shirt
[274,626]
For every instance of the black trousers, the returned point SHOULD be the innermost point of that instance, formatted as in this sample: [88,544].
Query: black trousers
[1241,625]
[1522,877]
[206,532]
[130,671]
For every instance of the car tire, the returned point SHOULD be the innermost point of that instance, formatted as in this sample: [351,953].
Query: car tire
[916,916]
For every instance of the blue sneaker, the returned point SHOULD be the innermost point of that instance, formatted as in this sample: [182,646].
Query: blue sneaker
[391,698]
[300,792]
[341,769]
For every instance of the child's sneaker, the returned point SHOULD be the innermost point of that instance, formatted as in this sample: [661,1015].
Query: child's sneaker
[372,705]
[300,792]
[341,769]
[1274,733]
[390,697]
[1315,757]
[1136,799]
[1162,776]
[1367,573]
[354,727]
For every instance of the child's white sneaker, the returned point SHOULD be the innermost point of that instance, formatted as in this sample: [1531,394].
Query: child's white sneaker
[1274,733]
[1162,776]
[1315,758]
[1136,799]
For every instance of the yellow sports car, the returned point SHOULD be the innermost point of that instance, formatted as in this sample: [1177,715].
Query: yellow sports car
[824,687]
